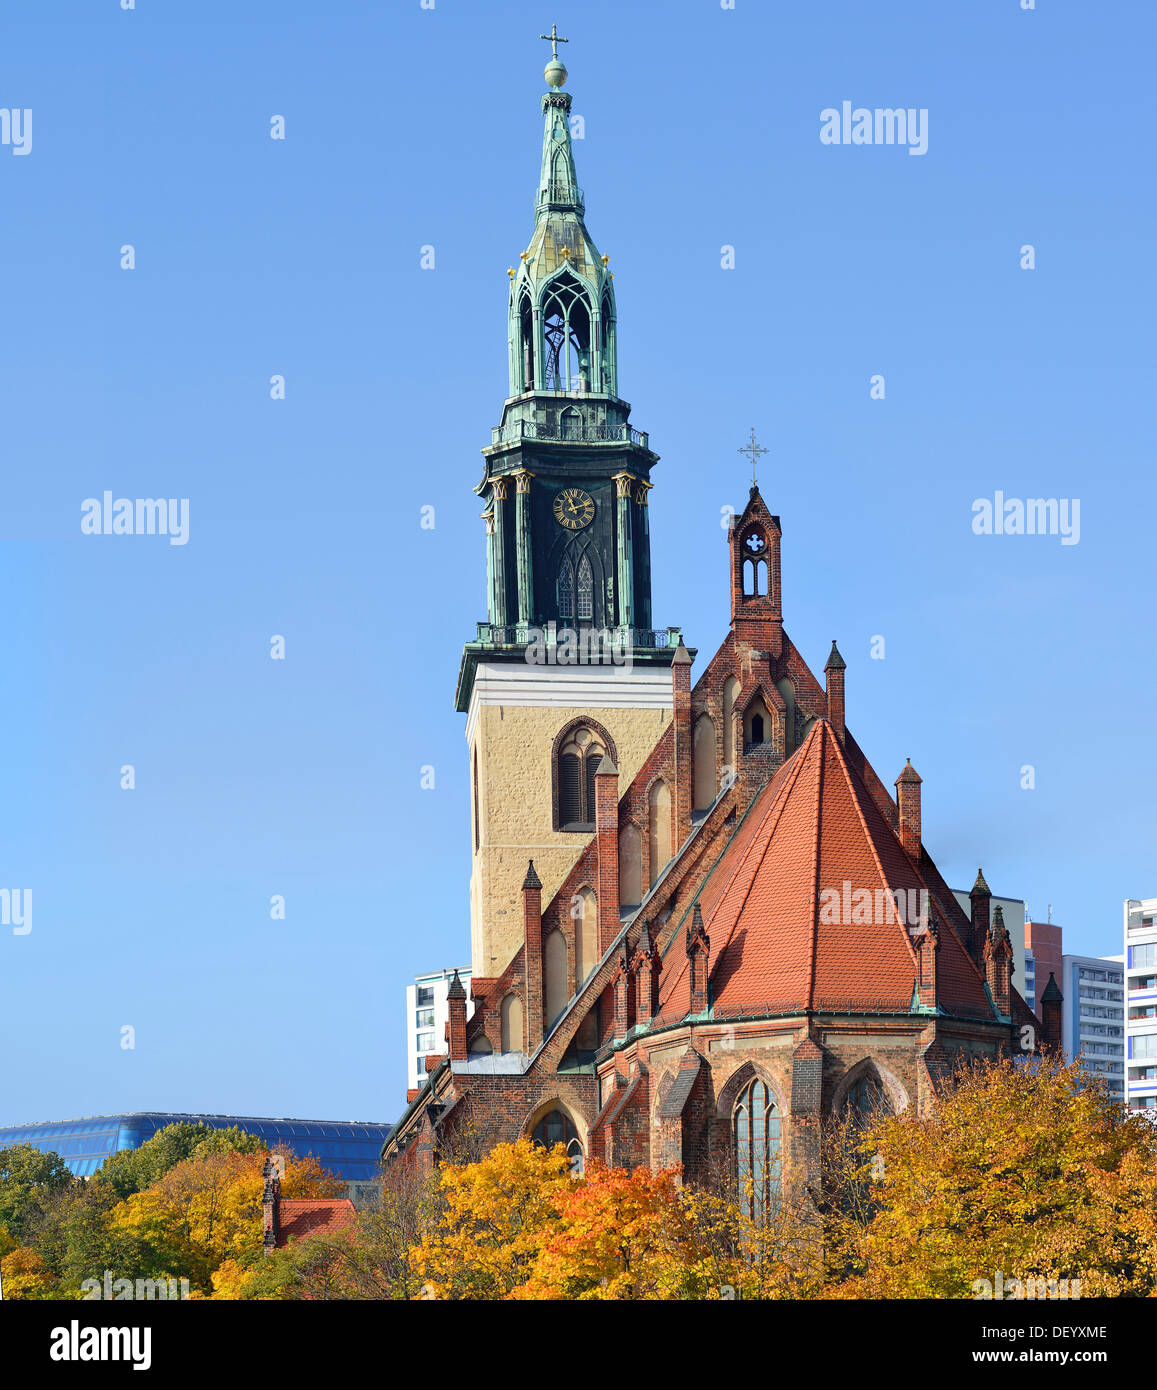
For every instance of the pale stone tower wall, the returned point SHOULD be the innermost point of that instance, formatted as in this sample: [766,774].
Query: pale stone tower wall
[516,714]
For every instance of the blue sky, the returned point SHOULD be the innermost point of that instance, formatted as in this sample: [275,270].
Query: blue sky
[408,127]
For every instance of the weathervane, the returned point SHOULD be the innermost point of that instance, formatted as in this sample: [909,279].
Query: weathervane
[754,450]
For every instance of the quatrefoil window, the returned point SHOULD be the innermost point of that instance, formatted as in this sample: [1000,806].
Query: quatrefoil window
[755,544]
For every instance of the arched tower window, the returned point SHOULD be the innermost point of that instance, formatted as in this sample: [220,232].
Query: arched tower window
[755,1136]
[557,1127]
[526,343]
[566,591]
[607,344]
[756,724]
[586,590]
[566,333]
[576,759]
[753,549]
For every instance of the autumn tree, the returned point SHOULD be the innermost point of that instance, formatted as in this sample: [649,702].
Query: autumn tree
[133,1170]
[498,1215]
[1027,1169]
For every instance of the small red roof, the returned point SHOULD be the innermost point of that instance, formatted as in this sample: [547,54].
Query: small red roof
[299,1217]
[774,945]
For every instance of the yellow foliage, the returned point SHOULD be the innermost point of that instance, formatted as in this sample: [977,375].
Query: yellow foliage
[25,1275]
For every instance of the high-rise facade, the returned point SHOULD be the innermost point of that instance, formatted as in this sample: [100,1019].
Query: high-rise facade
[1140,927]
[1093,1016]
[427,1013]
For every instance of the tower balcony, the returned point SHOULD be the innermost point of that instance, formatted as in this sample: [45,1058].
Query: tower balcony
[569,431]
[604,642]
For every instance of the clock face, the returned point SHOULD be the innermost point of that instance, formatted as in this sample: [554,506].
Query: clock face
[574,508]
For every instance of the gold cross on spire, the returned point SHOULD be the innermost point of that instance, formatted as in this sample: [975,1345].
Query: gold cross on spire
[754,450]
[554,39]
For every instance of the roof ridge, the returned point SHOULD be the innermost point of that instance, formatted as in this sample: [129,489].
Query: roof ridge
[813,916]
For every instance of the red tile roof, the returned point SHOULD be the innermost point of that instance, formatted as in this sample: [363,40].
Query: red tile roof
[299,1217]
[814,827]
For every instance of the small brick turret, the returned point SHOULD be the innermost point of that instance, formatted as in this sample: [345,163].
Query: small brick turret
[456,1027]
[834,673]
[607,834]
[532,954]
[699,961]
[980,899]
[908,803]
[998,963]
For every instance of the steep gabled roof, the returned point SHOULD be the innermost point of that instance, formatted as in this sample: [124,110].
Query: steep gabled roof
[768,911]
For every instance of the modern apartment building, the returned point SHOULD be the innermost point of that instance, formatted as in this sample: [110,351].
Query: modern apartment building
[1141,1003]
[426,1017]
[1093,1016]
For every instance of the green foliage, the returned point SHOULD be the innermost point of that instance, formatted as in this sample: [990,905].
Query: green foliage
[134,1170]
[25,1173]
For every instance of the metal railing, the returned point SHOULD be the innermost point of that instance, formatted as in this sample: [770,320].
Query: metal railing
[578,434]
[625,639]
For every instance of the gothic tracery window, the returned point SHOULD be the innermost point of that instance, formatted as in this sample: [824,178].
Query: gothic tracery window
[578,760]
[566,332]
[755,1136]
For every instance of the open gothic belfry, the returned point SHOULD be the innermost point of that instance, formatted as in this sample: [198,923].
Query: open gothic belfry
[700,921]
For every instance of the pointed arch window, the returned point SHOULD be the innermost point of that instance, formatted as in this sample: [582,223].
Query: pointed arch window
[755,1135]
[577,762]
[566,333]
[867,1099]
[586,590]
[566,591]
[557,1127]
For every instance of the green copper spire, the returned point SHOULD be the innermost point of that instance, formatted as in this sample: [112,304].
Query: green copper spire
[564,491]
[561,327]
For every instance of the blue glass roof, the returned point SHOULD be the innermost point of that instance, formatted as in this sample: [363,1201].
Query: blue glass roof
[347,1149]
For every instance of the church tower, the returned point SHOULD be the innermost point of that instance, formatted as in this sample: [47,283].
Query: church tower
[566,670]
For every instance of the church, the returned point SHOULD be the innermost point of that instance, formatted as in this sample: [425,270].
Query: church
[701,922]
